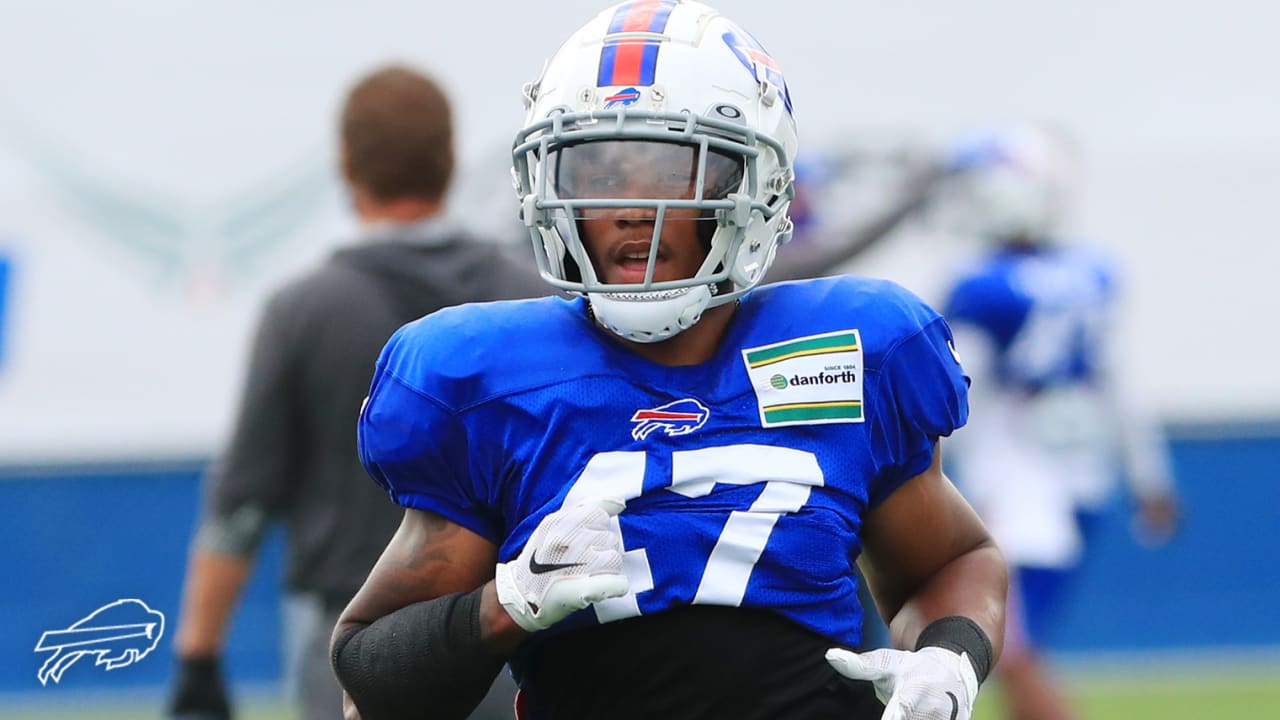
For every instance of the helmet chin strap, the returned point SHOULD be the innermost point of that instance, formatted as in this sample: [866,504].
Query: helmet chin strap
[650,317]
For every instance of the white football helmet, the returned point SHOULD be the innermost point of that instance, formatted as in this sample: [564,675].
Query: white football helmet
[687,81]
[1017,182]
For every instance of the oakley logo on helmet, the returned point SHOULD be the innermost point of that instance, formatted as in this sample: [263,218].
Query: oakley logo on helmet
[675,418]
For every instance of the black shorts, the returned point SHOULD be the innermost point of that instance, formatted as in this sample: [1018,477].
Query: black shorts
[697,662]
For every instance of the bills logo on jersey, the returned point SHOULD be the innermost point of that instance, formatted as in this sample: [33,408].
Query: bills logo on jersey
[763,67]
[622,98]
[675,418]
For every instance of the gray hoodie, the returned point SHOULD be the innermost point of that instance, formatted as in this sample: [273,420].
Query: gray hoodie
[292,453]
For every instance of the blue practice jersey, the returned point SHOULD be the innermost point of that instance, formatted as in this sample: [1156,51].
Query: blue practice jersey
[746,478]
[1044,311]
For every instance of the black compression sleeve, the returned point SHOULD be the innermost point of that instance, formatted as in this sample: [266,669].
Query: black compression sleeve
[959,634]
[421,661]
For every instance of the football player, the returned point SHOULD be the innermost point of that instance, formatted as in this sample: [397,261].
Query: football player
[649,499]
[1033,320]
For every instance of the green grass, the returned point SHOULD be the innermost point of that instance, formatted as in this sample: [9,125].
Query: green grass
[1255,696]
[107,709]
[1115,696]
[131,711]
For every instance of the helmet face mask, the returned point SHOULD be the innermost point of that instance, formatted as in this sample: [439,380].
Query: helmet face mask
[709,140]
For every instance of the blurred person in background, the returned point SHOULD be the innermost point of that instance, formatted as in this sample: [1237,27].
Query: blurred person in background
[1051,427]
[292,453]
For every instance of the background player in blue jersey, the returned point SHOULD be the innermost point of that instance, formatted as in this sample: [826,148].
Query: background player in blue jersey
[649,498]
[1051,424]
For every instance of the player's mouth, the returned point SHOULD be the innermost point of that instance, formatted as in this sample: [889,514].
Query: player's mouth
[629,261]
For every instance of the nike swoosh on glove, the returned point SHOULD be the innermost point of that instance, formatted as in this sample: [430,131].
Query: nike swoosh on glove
[572,559]
[931,683]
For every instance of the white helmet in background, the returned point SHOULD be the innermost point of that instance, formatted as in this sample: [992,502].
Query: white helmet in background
[684,79]
[1016,183]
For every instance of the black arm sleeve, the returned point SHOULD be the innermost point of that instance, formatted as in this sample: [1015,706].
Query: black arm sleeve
[421,661]
[960,635]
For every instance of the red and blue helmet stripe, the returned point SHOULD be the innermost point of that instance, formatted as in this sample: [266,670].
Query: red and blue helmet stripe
[631,61]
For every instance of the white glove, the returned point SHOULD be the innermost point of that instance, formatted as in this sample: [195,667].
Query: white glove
[931,683]
[572,559]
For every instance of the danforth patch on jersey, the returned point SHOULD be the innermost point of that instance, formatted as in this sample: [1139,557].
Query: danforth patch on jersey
[808,380]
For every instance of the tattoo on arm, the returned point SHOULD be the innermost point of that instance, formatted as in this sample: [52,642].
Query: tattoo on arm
[428,557]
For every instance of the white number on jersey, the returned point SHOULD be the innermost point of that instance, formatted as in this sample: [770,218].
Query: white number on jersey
[788,475]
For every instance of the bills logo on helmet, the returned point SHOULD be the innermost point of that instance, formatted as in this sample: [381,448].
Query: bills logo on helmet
[623,98]
[675,418]
[753,57]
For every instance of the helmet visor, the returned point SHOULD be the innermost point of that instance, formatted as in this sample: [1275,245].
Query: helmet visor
[642,169]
